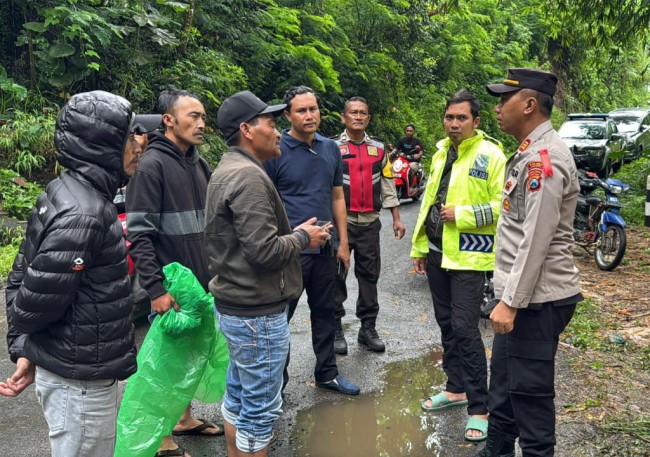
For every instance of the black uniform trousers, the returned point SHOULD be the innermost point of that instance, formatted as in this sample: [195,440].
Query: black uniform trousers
[457,297]
[318,278]
[522,372]
[364,244]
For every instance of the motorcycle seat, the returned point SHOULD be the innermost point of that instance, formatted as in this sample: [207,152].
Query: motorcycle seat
[593,200]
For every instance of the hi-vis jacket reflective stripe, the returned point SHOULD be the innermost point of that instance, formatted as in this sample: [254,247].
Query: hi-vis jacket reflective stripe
[475,190]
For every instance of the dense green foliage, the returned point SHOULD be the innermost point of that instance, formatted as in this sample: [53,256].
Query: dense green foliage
[635,174]
[18,196]
[405,56]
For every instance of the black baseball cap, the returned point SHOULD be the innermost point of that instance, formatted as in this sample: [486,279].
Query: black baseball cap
[240,108]
[144,123]
[525,78]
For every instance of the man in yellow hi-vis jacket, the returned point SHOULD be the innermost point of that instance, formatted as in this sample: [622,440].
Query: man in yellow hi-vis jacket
[453,243]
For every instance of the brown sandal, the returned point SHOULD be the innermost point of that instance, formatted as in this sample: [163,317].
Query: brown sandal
[178,452]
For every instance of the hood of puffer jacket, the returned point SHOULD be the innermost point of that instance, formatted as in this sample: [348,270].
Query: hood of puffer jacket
[91,132]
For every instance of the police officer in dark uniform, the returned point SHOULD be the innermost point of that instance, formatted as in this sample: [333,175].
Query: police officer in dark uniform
[535,275]
[368,186]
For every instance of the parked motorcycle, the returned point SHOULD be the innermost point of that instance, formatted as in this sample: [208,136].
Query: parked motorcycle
[489,300]
[598,223]
[408,185]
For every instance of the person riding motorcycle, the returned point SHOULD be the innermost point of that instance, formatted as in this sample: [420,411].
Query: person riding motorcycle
[412,150]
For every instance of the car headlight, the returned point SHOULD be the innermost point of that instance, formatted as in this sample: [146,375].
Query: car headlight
[596,152]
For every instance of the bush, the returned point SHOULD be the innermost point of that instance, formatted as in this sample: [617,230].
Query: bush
[17,199]
[27,142]
[10,240]
[635,174]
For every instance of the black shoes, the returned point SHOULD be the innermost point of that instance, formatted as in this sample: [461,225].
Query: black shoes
[497,445]
[340,345]
[368,336]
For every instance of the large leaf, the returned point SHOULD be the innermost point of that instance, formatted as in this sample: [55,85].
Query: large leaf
[176,6]
[61,49]
[35,26]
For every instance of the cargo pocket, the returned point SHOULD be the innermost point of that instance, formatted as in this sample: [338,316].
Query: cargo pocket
[531,367]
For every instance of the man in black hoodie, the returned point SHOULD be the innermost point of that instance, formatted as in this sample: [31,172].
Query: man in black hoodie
[68,294]
[165,217]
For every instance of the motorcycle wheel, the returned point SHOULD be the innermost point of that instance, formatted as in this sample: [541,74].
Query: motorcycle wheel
[610,248]
[416,196]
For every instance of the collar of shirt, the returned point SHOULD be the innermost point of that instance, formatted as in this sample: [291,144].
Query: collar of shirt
[535,135]
[293,143]
[344,138]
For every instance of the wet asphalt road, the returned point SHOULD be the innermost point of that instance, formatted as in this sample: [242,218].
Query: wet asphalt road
[405,323]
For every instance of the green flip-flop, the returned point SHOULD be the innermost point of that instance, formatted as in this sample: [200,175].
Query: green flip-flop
[476,423]
[440,402]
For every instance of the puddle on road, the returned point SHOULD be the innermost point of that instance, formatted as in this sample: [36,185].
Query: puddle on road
[389,422]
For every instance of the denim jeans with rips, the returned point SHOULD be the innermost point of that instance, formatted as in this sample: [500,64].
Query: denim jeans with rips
[258,350]
[81,415]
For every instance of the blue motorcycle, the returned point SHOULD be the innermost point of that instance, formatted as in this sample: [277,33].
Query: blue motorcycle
[598,223]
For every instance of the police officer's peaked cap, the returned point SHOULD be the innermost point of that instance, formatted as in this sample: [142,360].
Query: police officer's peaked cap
[525,78]
[242,107]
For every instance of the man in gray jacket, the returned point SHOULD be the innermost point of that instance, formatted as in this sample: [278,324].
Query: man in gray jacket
[535,276]
[254,263]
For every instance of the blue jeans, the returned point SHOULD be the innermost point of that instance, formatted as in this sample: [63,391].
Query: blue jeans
[81,415]
[258,349]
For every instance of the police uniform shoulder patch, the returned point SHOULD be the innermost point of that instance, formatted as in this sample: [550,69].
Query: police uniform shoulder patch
[506,204]
[534,179]
[523,146]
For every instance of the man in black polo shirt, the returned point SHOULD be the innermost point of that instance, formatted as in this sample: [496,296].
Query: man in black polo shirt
[309,179]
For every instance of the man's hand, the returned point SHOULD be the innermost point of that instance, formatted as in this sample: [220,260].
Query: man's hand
[419,152]
[318,235]
[420,265]
[503,318]
[343,254]
[164,303]
[22,377]
[398,229]
[448,213]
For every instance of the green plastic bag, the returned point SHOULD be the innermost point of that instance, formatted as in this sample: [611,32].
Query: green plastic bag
[183,356]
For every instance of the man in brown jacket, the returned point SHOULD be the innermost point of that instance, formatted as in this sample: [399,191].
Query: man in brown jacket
[254,262]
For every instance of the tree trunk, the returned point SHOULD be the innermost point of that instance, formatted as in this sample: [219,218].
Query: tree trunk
[187,27]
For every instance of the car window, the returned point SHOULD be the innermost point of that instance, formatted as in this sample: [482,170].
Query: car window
[646,121]
[627,124]
[588,130]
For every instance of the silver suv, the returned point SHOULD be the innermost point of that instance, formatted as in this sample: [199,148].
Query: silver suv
[634,123]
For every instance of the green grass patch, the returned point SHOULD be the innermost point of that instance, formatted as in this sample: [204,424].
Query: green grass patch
[586,326]
[7,255]
[638,428]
